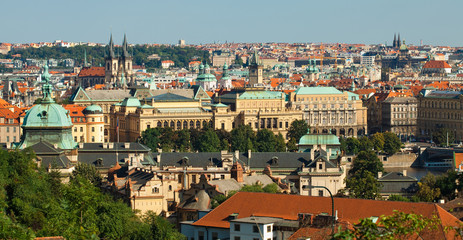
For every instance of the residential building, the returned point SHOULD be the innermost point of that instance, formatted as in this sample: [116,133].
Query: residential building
[167,64]
[281,216]
[399,115]
[328,110]
[436,68]
[88,123]
[440,109]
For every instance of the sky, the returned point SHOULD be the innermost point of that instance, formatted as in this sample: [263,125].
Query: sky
[208,21]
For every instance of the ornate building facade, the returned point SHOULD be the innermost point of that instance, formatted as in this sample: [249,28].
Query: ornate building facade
[399,115]
[327,109]
[254,107]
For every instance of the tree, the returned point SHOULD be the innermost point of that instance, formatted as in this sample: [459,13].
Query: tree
[209,142]
[266,141]
[366,161]
[399,225]
[352,145]
[392,143]
[440,137]
[365,144]
[363,185]
[297,129]
[88,172]
[280,145]
[160,228]
[243,138]
[427,189]
[377,140]
[399,198]
[151,137]
[271,188]
[449,184]
[182,141]
[362,181]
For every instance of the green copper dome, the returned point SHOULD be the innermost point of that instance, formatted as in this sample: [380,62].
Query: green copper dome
[47,115]
[47,121]
[131,102]
[319,139]
[92,109]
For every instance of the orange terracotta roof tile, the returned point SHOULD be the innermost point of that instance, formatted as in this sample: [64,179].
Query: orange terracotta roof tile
[247,204]
[436,64]
[92,72]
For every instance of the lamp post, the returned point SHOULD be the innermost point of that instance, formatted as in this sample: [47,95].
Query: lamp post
[332,205]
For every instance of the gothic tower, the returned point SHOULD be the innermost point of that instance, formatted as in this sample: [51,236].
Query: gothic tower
[255,70]
[116,66]
[125,61]
[111,63]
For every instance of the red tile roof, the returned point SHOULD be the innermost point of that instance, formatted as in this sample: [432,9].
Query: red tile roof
[247,204]
[92,72]
[436,64]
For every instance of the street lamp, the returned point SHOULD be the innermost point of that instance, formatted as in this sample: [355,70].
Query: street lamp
[332,204]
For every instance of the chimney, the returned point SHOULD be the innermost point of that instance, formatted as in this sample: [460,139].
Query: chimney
[126,145]
[249,154]
[237,154]
[111,145]
[105,145]
[81,145]
[404,172]
[380,175]
[312,154]
[55,146]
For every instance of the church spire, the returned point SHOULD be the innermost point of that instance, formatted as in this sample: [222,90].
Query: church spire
[394,43]
[85,58]
[125,52]
[398,41]
[111,47]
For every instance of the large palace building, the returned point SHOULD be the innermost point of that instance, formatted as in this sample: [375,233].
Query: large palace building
[248,106]
[327,109]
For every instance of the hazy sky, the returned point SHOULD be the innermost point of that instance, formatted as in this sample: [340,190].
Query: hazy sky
[208,21]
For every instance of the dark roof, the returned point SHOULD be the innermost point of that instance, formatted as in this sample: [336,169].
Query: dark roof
[120,147]
[44,147]
[108,159]
[169,97]
[397,176]
[201,159]
[286,160]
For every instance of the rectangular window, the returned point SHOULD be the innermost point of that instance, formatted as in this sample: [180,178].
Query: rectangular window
[93,129]
[215,236]
[14,129]
[269,228]
[7,138]
[75,129]
[14,138]
[7,129]
[255,229]
[237,227]
[320,193]
[201,235]
[81,129]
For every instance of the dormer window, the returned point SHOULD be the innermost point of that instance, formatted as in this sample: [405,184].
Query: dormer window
[274,160]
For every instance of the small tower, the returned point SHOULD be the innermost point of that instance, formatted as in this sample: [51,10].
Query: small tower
[126,61]
[256,70]
[236,172]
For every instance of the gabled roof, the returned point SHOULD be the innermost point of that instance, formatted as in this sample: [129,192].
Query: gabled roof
[436,64]
[92,72]
[247,204]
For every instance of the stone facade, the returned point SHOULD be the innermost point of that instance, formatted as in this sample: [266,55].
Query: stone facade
[440,109]
[399,115]
[326,108]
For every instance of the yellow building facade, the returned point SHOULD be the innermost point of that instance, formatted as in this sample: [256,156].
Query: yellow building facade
[328,109]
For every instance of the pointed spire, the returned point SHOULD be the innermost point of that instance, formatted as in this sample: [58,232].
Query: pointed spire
[85,58]
[125,52]
[254,58]
[398,41]
[394,43]
[111,47]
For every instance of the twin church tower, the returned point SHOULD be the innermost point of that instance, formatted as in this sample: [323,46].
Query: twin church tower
[118,65]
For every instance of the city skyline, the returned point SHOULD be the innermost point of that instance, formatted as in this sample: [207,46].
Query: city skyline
[363,22]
